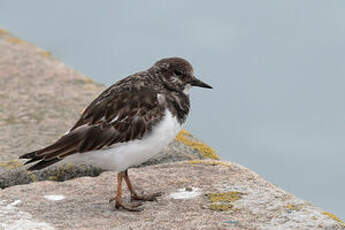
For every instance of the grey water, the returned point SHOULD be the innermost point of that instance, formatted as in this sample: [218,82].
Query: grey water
[277,68]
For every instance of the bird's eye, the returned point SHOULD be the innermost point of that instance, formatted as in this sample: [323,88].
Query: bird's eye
[178,73]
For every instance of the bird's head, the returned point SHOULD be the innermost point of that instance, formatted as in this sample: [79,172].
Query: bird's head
[177,74]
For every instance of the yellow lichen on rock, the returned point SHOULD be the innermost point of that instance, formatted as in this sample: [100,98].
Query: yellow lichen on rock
[46,53]
[225,196]
[2,31]
[334,217]
[11,164]
[15,40]
[295,207]
[53,178]
[202,148]
[62,170]
[223,201]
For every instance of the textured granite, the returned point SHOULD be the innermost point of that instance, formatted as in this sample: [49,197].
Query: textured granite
[196,195]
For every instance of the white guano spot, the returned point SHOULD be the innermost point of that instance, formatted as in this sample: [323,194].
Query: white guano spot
[54,197]
[14,203]
[12,218]
[185,193]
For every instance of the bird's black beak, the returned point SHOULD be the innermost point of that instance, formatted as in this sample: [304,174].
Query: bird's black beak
[197,82]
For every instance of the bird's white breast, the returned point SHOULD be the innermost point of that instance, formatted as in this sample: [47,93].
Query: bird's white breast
[123,155]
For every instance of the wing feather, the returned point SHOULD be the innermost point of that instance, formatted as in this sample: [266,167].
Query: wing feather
[115,116]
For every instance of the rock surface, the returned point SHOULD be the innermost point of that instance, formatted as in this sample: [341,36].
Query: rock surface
[196,195]
[40,98]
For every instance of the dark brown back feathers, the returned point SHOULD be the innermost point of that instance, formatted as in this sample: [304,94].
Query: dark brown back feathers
[125,111]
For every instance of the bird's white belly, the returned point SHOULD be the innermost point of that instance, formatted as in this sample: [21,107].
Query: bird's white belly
[123,155]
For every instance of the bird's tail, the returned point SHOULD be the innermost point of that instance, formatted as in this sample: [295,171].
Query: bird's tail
[34,157]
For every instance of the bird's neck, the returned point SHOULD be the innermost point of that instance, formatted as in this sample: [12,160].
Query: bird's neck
[177,101]
[178,105]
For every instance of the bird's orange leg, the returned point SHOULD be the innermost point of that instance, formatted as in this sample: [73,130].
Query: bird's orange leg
[118,198]
[134,195]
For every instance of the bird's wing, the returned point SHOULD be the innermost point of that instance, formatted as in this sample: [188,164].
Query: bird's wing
[115,116]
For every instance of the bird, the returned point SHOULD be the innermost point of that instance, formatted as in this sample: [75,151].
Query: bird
[127,124]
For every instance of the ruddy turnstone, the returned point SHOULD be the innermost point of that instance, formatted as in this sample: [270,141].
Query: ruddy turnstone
[127,124]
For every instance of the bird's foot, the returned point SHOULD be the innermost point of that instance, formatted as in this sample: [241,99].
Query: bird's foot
[133,207]
[149,197]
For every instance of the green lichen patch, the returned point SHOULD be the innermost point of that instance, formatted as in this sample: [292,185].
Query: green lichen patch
[68,171]
[32,176]
[205,150]
[11,164]
[334,217]
[61,172]
[224,201]
[225,196]
[54,178]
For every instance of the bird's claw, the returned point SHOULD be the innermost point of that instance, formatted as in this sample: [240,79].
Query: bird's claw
[129,207]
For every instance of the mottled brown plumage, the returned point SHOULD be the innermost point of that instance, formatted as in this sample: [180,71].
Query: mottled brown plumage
[126,111]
